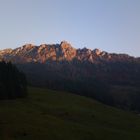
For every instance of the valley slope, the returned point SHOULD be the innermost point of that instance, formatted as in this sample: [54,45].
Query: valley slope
[53,115]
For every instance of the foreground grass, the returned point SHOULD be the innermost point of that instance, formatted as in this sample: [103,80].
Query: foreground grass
[50,115]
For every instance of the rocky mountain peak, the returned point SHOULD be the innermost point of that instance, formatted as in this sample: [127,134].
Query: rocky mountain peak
[28,46]
[43,45]
[97,51]
[41,48]
[6,51]
[68,51]
[65,45]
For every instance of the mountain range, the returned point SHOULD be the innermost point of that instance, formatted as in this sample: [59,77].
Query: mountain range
[60,52]
[111,78]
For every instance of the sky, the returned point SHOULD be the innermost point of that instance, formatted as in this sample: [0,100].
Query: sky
[109,25]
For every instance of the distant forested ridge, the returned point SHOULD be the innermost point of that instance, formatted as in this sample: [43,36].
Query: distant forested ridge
[113,83]
[12,82]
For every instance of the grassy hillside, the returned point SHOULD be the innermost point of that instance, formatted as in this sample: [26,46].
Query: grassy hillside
[51,115]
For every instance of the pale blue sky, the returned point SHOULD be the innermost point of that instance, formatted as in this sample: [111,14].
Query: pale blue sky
[110,25]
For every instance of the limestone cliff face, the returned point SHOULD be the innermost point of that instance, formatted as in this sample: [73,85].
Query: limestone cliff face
[59,52]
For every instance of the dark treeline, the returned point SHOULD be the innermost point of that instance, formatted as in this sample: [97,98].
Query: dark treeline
[113,83]
[12,82]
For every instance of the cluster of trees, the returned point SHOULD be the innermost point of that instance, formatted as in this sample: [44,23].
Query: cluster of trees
[13,83]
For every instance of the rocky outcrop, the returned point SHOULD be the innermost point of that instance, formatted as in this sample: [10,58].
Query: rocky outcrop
[59,52]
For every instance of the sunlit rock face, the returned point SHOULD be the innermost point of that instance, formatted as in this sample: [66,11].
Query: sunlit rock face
[68,52]
[97,52]
[84,55]
[59,52]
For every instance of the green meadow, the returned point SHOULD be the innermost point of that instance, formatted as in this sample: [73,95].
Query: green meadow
[52,115]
